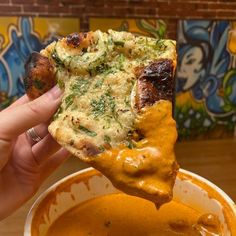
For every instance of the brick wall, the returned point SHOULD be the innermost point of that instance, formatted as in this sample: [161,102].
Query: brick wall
[170,10]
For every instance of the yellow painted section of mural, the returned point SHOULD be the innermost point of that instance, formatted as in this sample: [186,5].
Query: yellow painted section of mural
[149,27]
[41,25]
[232,39]
[60,26]
[186,97]
[5,24]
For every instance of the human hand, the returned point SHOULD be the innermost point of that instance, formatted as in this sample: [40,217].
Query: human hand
[25,164]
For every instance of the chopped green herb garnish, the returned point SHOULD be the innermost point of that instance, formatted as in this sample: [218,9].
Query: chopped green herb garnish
[107,139]
[99,83]
[99,106]
[38,84]
[101,148]
[56,58]
[121,58]
[60,84]
[130,144]
[111,101]
[90,71]
[84,50]
[112,106]
[69,100]
[127,101]
[99,69]
[105,103]
[110,41]
[98,65]
[160,45]
[58,112]
[119,43]
[109,71]
[87,131]
[115,116]
[105,106]
[26,83]
[121,61]
[80,87]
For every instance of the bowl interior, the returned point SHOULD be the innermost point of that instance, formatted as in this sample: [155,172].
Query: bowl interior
[190,189]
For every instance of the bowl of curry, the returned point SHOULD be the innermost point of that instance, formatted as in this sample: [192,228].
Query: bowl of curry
[86,203]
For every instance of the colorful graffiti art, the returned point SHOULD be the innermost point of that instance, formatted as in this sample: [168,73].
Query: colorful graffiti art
[19,36]
[149,27]
[206,79]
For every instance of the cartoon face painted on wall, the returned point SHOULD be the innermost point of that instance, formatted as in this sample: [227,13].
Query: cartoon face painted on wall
[204,72]
[191,68]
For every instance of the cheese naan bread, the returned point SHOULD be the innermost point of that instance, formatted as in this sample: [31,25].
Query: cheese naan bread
[116,111]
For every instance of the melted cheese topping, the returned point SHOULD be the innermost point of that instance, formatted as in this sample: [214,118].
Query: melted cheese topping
[124,215]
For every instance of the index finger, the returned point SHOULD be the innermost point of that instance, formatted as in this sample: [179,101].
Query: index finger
[20,101]
[17,120]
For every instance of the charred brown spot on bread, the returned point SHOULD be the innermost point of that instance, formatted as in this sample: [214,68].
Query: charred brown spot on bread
[155,82]
[75,40]
[39,75]
[89,149]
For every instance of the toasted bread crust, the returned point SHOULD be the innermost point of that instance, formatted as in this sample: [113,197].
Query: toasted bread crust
[84,149]
[39,77]
[155,82]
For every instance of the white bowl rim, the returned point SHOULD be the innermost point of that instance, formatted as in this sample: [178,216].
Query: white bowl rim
[208,182]
[40,198]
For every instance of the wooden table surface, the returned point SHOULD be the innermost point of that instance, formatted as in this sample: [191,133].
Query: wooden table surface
[214,160]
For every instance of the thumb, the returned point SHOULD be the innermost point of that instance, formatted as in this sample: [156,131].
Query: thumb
[18,119]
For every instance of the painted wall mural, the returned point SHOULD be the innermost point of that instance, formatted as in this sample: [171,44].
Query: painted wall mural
[205,104]
[19,36]
[206,79]
[150,27]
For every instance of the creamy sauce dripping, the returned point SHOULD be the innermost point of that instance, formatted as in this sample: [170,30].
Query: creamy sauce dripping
[149,169]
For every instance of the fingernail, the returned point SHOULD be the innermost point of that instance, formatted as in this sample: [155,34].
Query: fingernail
[55,92]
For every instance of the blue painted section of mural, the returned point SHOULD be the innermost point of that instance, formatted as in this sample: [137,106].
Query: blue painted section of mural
[23,40]
[206,70]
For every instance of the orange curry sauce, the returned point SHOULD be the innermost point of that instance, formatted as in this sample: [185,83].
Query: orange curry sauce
[121,214]
[149,169]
